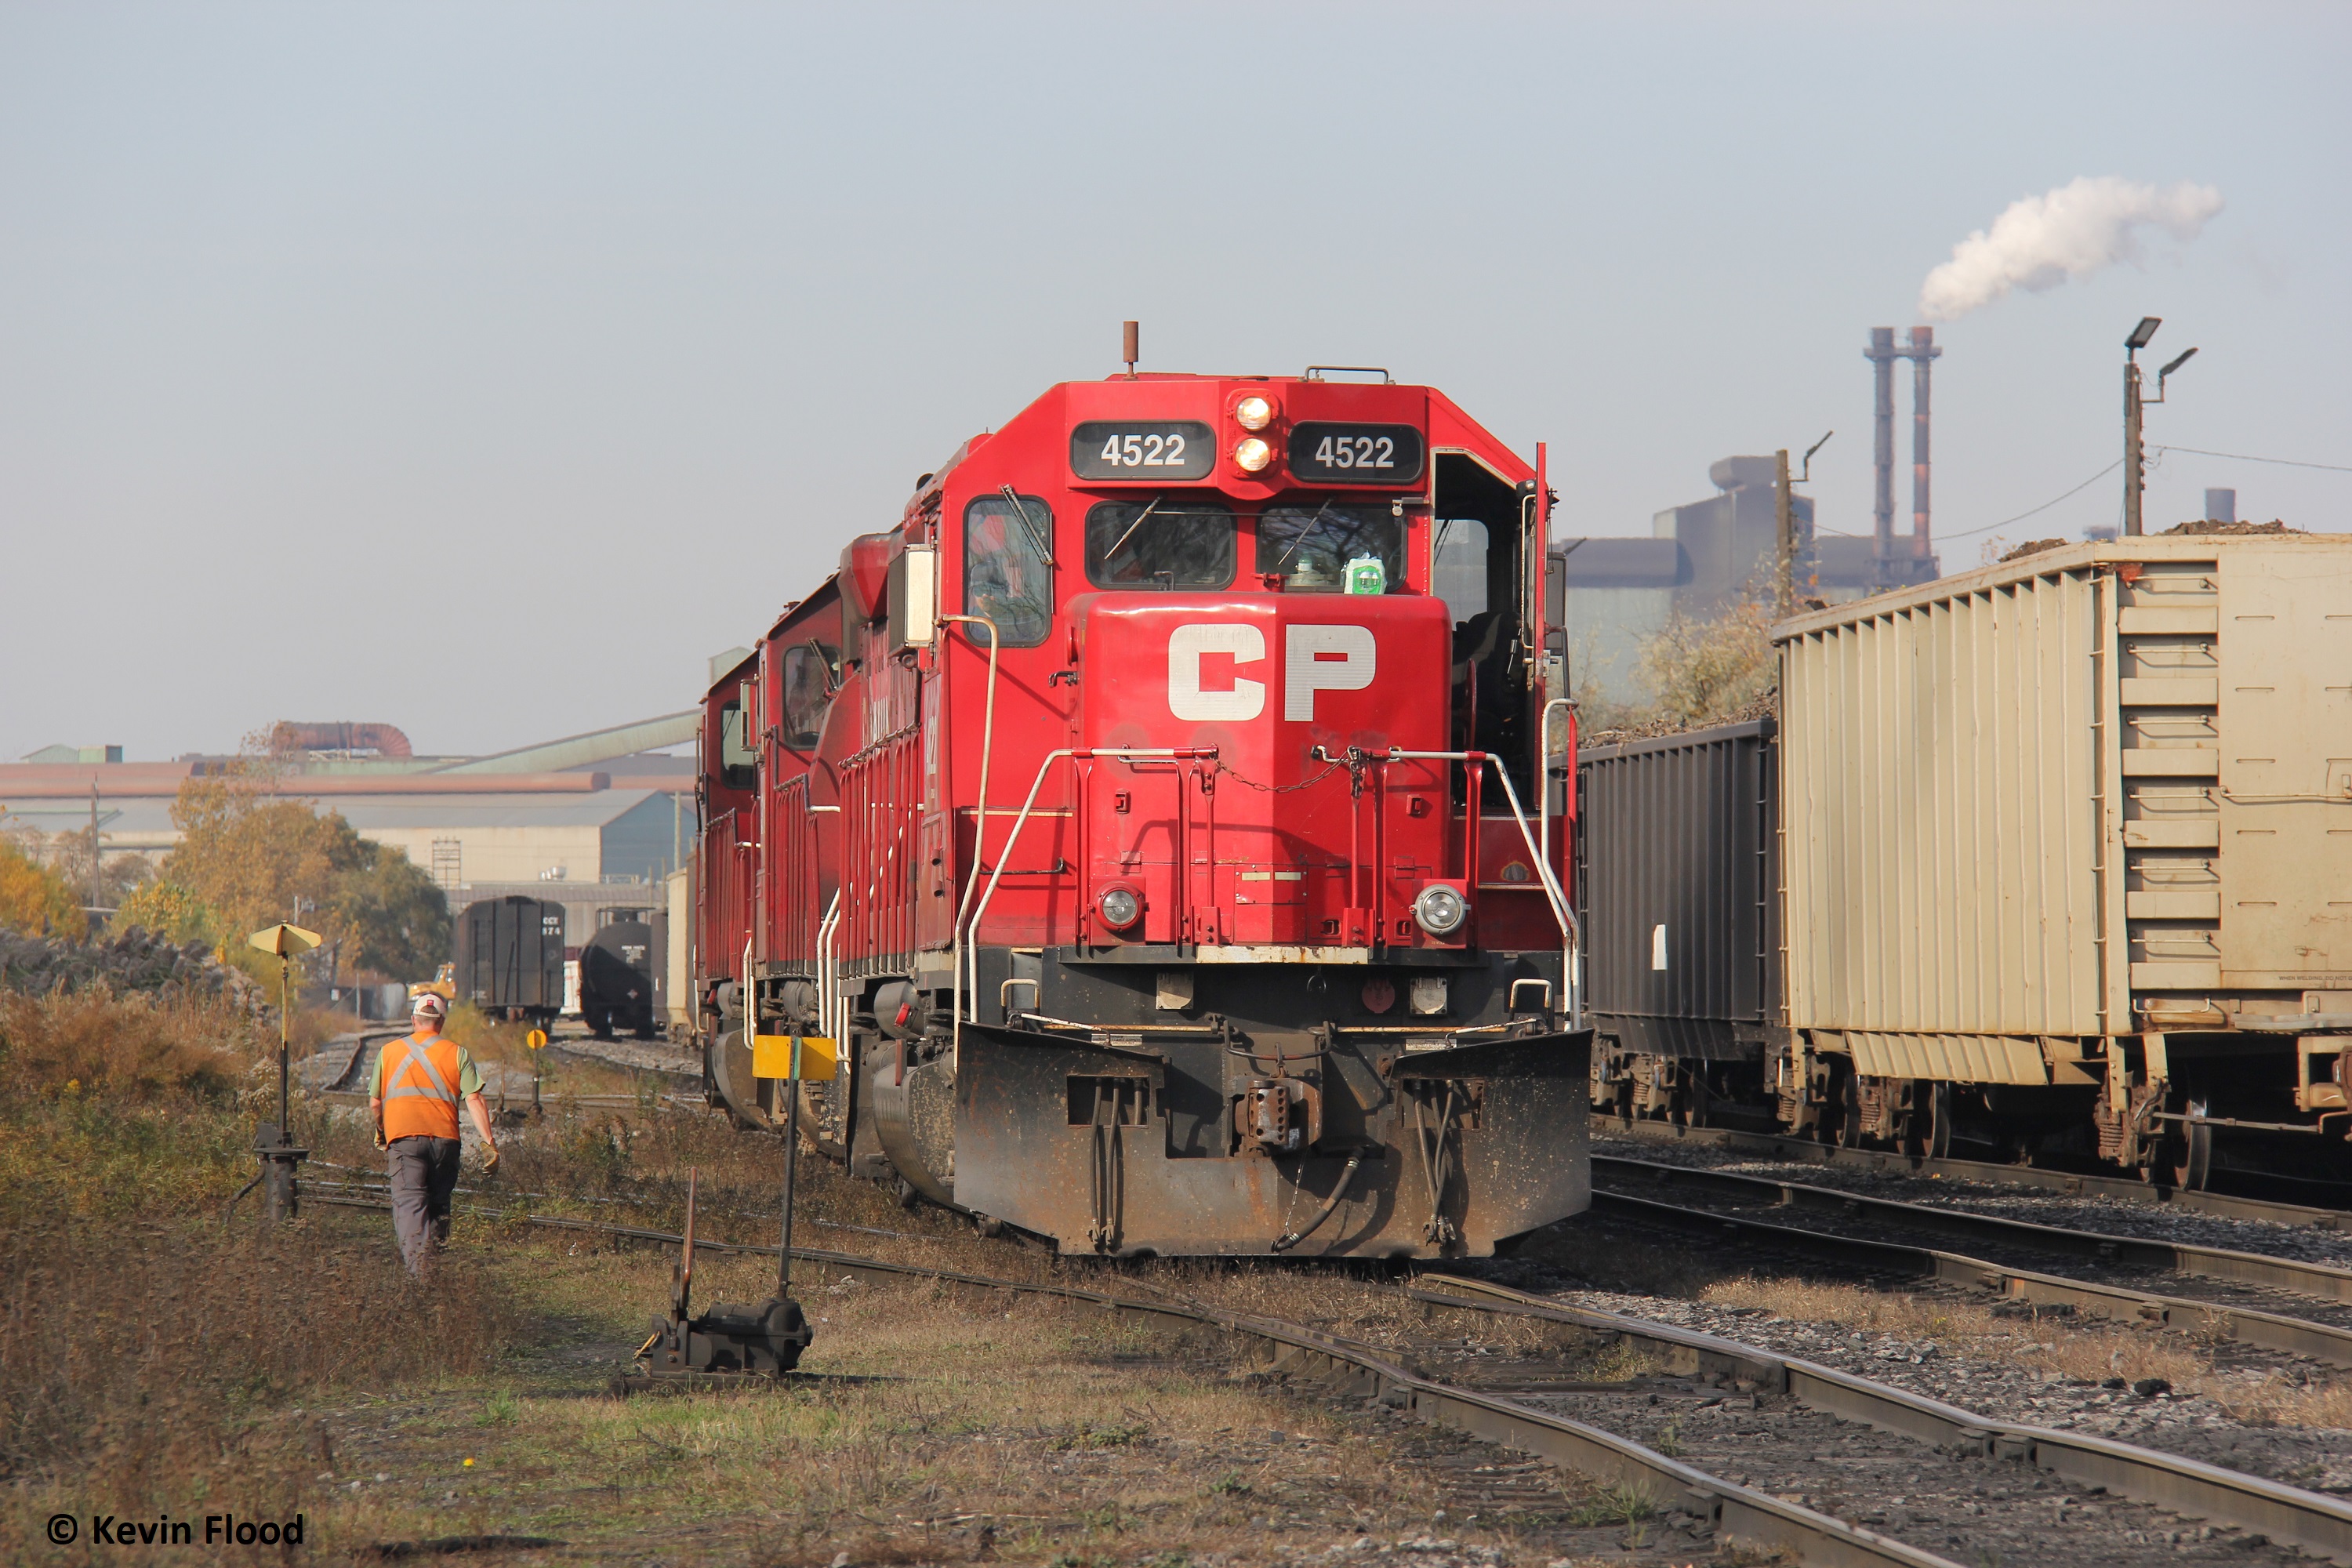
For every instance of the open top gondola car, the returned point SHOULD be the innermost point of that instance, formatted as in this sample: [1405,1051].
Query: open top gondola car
[1161,819]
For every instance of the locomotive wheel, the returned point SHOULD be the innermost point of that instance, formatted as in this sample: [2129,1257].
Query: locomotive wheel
[2192,1151]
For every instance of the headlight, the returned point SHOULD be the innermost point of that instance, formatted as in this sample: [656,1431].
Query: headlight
[1439,909]
[1120,908]
[1254,413]
[1251,455]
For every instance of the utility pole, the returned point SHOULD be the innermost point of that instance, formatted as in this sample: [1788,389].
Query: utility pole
[2135,455]
[93,846]
[1784,531]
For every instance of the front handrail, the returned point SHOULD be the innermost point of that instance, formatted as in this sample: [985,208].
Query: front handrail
[1029,801]
[1572,931]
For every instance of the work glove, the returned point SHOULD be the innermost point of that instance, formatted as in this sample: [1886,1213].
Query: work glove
[490,1161]
[380,1141]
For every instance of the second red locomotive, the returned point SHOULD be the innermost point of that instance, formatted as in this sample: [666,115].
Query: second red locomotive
[1157,838]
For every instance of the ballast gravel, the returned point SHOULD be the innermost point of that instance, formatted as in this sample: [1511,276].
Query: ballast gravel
[2196,1427]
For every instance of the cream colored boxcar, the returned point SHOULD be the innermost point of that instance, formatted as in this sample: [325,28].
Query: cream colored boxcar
[2067,846]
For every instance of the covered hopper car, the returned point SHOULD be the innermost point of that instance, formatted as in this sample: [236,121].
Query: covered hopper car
[1164,826]
[2049,859]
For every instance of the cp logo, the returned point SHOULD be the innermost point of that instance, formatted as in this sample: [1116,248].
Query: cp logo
[1314,658]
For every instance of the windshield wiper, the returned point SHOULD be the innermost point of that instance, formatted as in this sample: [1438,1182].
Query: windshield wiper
[1150,507]
[1300,537]
[1044,546]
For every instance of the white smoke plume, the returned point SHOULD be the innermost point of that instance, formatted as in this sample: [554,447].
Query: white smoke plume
[2044,241]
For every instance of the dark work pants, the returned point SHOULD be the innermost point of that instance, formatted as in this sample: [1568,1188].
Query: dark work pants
[424,1178]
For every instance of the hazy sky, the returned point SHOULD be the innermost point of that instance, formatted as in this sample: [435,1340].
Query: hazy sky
[482,367]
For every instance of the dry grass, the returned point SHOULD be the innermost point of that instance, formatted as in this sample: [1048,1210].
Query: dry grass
[135,1047]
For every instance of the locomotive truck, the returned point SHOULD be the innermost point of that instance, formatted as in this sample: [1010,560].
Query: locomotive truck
[1157,840]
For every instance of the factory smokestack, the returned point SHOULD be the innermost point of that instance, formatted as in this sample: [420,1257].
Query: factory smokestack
[1889,566]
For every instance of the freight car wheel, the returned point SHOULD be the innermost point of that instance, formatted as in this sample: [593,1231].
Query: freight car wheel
[2192,1151]
[1929,1131]
[1849,1126]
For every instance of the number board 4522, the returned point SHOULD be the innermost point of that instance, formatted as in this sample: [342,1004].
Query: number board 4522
[1142,449]
[1327,452]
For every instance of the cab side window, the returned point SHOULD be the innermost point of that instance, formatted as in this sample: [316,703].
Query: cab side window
[1008,569]
[811,675]
[738,762]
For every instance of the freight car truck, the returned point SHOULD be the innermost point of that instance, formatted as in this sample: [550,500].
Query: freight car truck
[2064,863]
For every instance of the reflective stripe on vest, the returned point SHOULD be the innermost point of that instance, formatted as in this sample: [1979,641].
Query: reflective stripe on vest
[419,1099]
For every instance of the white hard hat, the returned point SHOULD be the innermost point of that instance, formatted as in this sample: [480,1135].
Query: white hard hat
[429,1005]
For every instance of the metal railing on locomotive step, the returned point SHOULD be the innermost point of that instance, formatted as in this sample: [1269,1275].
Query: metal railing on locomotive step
[1349,763]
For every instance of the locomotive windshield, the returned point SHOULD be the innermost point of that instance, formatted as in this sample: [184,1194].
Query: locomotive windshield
[1309,548]
[1006,575]
[1160,543]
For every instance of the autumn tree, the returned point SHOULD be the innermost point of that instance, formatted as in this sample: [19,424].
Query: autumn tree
[247,854]
[35,898]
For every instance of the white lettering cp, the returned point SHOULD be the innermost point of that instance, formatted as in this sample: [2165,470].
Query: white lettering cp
[1324,658]
[1246,700]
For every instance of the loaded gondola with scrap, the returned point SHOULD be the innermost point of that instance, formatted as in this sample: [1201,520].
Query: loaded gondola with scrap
[1157,840]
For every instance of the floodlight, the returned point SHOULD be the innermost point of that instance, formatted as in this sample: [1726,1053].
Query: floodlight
[2145,330]
[2176,364]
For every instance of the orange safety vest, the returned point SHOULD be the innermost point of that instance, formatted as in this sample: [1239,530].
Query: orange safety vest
[420,1087]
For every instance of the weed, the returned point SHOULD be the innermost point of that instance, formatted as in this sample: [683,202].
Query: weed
[1093,1436]
[1625,1503]
[1669,1440]
[1231,1484]
[502,1409]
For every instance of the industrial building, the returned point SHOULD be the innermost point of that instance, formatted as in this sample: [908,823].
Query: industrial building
[568,819]
[1703,557]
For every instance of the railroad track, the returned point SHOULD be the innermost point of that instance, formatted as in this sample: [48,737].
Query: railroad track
[1887,1162]
[2289,1331]
[1820,1397]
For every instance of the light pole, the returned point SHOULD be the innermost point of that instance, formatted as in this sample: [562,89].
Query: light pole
[2135,459]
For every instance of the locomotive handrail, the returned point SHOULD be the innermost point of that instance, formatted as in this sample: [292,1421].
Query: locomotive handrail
[979,838]
[1543,750]
[1572,933]
[1117,753]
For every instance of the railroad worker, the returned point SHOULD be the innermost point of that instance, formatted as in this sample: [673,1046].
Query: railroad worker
[414,1099]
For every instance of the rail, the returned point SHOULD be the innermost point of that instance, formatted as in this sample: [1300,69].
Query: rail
[1361,1370]
[2284,1513]
[2321,1281]
[1884,1161]
[2270,1331]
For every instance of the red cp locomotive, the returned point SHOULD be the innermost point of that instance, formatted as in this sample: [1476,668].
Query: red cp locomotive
[1162,828]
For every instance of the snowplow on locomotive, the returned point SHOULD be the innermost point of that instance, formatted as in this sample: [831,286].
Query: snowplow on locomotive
[1157,839]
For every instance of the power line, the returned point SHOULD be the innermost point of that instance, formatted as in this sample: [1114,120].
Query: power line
[2045,506]
[2243,457]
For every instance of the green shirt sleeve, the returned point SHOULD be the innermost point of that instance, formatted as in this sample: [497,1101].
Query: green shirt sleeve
[469,1079]
[375,1074]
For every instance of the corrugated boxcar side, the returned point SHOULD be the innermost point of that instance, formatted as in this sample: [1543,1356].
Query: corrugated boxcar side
[1678,872]
[2032,799]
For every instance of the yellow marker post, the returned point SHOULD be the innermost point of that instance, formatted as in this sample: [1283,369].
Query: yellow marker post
[537,1042]
[276,1144]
